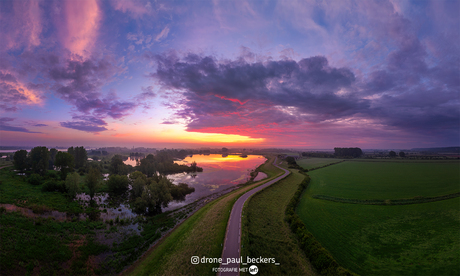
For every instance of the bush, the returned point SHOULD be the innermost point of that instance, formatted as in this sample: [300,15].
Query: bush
[178,192]
[39,209]
[34,179]
[54,186]
[52,175]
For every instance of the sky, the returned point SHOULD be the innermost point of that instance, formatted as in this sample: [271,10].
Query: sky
[234,73]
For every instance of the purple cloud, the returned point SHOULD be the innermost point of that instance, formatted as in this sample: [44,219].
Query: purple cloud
[405,94]
[86,123]
[5,126]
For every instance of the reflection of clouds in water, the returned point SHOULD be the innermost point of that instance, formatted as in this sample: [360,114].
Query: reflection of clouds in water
[218,173]
[212,187]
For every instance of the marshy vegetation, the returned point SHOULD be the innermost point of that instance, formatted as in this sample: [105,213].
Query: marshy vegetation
[71,221]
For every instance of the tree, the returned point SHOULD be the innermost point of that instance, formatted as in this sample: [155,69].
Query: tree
[21,161]
[65,162]
[92,181]
[117,166]
[39,160]
[291,160]
[118,184]
[147,165]
[193,166]
[53,153]
[402,154]
[80,156]
[392,154]
[137,174]
[138,187]
[71,183]
[348,152]
[159,195]
[178,192]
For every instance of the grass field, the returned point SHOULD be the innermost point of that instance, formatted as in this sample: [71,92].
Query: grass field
[415,239]
[313,162]
[266,234]
[369,180]
[200,235]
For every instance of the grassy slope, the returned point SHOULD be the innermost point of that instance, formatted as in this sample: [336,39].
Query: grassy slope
[385,240]
[313,162]
[266,234]
[370,180]
[200,235]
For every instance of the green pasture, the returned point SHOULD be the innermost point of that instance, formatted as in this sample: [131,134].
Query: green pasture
[385,180]
[314,162]
[414,239]
[266,233]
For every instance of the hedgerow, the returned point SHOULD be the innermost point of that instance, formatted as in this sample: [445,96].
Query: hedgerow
[404,201]
[319,257]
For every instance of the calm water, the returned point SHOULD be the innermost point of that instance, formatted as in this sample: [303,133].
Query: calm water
[219,173]
[132,161]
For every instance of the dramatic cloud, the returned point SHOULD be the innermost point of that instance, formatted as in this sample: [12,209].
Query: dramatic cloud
[310,88]
[6,126]
[295,73]
[237,96]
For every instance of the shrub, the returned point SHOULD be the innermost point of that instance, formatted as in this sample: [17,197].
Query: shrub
[34,179]
[51,175]
[53,185]
[39,209]
[319,257]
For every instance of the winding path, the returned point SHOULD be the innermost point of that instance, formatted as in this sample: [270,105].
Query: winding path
[232,243]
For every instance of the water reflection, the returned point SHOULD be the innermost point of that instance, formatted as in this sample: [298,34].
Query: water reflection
[132,160]
[219,172]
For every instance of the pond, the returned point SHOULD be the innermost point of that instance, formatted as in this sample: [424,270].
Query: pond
[132,160]
[219,173]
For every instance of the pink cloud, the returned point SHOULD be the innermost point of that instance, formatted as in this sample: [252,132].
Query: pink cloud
[22,27]
[79,25]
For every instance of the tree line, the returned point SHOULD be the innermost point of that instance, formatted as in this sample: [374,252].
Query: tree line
[348,152]
[151,189]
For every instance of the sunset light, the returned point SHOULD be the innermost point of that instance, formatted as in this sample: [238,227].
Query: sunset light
[230,137]
[243,73]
